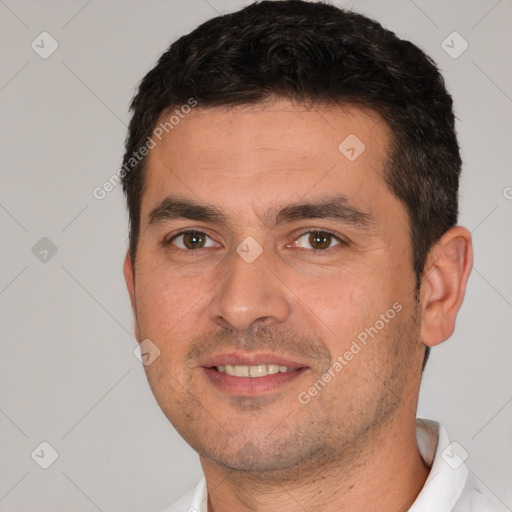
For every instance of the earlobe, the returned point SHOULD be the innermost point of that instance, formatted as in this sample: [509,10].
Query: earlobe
[444,284]
[129,277]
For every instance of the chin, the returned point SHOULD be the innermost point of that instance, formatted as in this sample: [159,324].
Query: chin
[267,461]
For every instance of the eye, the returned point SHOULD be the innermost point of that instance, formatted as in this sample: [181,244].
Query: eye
[192,239]
[319,240]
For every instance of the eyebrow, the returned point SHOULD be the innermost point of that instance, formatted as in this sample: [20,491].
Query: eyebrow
[336,208]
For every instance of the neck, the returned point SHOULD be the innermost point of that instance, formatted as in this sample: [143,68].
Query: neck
[387,474]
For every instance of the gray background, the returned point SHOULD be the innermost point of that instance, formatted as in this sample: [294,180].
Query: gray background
[68,375]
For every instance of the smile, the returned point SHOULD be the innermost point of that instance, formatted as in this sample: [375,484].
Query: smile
[260,370]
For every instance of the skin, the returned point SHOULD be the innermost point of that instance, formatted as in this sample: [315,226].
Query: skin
[353,445]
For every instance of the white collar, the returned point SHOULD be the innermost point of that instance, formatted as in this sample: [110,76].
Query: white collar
[448,474]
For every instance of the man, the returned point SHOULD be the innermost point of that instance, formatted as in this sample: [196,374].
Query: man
[291,173]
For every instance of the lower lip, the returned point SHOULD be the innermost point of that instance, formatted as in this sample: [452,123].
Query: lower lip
[251,385]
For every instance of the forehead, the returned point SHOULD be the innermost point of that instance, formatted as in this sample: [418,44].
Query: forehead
[290,130]
[269,153]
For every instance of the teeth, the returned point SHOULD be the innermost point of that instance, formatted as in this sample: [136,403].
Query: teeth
[241,371]
[272,368]
[259,370]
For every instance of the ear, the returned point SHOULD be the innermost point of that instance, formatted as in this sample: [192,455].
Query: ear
[129,277]
[443,285]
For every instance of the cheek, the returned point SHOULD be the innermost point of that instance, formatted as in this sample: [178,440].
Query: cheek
[165,314]
[355,306]
[166,302]
[343,299]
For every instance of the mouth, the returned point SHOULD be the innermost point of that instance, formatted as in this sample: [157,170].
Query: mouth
[255,371]
[251,374]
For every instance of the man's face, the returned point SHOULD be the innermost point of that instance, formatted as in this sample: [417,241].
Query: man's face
[283,290]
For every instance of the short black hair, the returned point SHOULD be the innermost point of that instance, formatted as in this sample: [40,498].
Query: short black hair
[314,53]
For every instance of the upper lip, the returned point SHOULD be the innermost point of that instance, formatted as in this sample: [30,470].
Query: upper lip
[249,359]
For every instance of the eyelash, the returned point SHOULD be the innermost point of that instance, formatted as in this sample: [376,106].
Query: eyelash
[342,242]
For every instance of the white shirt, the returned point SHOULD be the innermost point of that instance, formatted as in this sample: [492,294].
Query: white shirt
[450,486]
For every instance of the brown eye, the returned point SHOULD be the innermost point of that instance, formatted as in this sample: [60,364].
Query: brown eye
[193,240]
[190,240]
[318,240]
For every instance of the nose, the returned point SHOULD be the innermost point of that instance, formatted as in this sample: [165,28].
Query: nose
[250,293]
